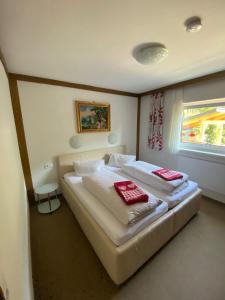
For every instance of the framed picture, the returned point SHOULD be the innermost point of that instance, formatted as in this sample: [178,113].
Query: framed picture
[92,116]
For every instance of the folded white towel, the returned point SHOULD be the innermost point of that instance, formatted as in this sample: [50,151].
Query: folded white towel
[143,172]
[173,200]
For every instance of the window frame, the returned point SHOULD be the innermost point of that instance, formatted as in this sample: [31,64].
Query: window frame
[198,148]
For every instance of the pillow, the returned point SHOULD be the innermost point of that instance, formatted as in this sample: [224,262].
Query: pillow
[118,160]
[86,167]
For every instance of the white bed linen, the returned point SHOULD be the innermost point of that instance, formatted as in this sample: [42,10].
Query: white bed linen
[100,184]
[115,230]
[118,159]
[143,172]
[172,200]
[86,167]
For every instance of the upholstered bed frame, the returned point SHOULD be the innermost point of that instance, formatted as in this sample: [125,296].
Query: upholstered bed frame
[123,261]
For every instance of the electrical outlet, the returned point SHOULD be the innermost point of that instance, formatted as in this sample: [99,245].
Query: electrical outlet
[48,165]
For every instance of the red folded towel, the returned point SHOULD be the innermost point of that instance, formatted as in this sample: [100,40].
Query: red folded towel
[130,192]
[168,174]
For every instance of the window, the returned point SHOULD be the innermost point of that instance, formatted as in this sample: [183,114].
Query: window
[203,126]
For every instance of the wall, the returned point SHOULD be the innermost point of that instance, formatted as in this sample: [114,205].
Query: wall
[50,121]
[209,175]
[15,274]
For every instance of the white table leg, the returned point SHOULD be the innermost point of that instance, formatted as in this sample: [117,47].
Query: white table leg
[38,198]
[49,201]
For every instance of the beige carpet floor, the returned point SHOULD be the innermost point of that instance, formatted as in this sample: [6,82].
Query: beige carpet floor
[190,267]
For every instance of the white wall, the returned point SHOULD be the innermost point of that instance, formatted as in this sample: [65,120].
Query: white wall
[50,121]
[209,175]
[14,233]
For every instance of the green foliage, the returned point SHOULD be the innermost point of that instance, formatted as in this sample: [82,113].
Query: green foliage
[195,116]
[100,116]
[96,120]
[190,112]
[210,134]
[223,135]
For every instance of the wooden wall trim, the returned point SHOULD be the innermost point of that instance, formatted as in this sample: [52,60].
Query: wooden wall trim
[20,131]
[42,80]
[3,62]
[21,137]
[211,76]
[138,126]
[70,85]
[13,78]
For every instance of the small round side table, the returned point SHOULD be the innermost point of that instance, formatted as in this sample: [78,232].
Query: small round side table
[50,205]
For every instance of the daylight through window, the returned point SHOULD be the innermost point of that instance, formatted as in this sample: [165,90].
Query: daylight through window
[203,125]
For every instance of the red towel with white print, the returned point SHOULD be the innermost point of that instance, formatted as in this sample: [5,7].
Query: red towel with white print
[168,174]
[130,192]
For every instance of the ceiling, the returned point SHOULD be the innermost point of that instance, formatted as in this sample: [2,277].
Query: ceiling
[91,41]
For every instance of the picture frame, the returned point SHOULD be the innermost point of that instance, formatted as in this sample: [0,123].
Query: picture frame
[92,116]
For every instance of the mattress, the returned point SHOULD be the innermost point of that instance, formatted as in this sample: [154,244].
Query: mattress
[115,230]
[172,200]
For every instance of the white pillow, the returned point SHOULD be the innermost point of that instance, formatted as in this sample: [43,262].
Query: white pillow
[118,160]
[86,167]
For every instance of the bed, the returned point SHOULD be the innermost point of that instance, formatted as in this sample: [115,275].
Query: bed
[122,259]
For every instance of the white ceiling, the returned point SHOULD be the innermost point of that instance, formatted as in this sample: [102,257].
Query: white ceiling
[91,41]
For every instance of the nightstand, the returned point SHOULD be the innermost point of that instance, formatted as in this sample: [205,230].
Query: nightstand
[50,205]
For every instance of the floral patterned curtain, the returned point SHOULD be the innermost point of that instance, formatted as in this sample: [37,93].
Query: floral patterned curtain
[155,137]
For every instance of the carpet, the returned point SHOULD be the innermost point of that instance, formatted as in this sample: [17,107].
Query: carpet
[190,267]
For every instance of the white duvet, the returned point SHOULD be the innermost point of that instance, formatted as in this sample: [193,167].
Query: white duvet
[171,199]
[100,184]
[115,230]
[143,172]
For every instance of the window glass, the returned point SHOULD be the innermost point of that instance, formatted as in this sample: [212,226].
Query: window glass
[204,125]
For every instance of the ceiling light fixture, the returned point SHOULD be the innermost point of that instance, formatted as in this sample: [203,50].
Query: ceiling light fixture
[150,53]
[193,24]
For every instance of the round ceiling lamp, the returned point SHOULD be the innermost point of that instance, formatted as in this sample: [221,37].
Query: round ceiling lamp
[150,53]
[193,24]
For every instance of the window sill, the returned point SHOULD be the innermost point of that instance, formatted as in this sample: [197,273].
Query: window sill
[207,156]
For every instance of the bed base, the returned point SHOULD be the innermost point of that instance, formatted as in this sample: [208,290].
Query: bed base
[123,261]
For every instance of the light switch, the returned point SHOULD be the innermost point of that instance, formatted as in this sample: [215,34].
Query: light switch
[48,165]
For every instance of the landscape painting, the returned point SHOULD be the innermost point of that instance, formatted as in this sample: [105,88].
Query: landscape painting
[92,116]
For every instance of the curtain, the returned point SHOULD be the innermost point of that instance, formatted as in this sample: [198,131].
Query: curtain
[176,121]
[155,137]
